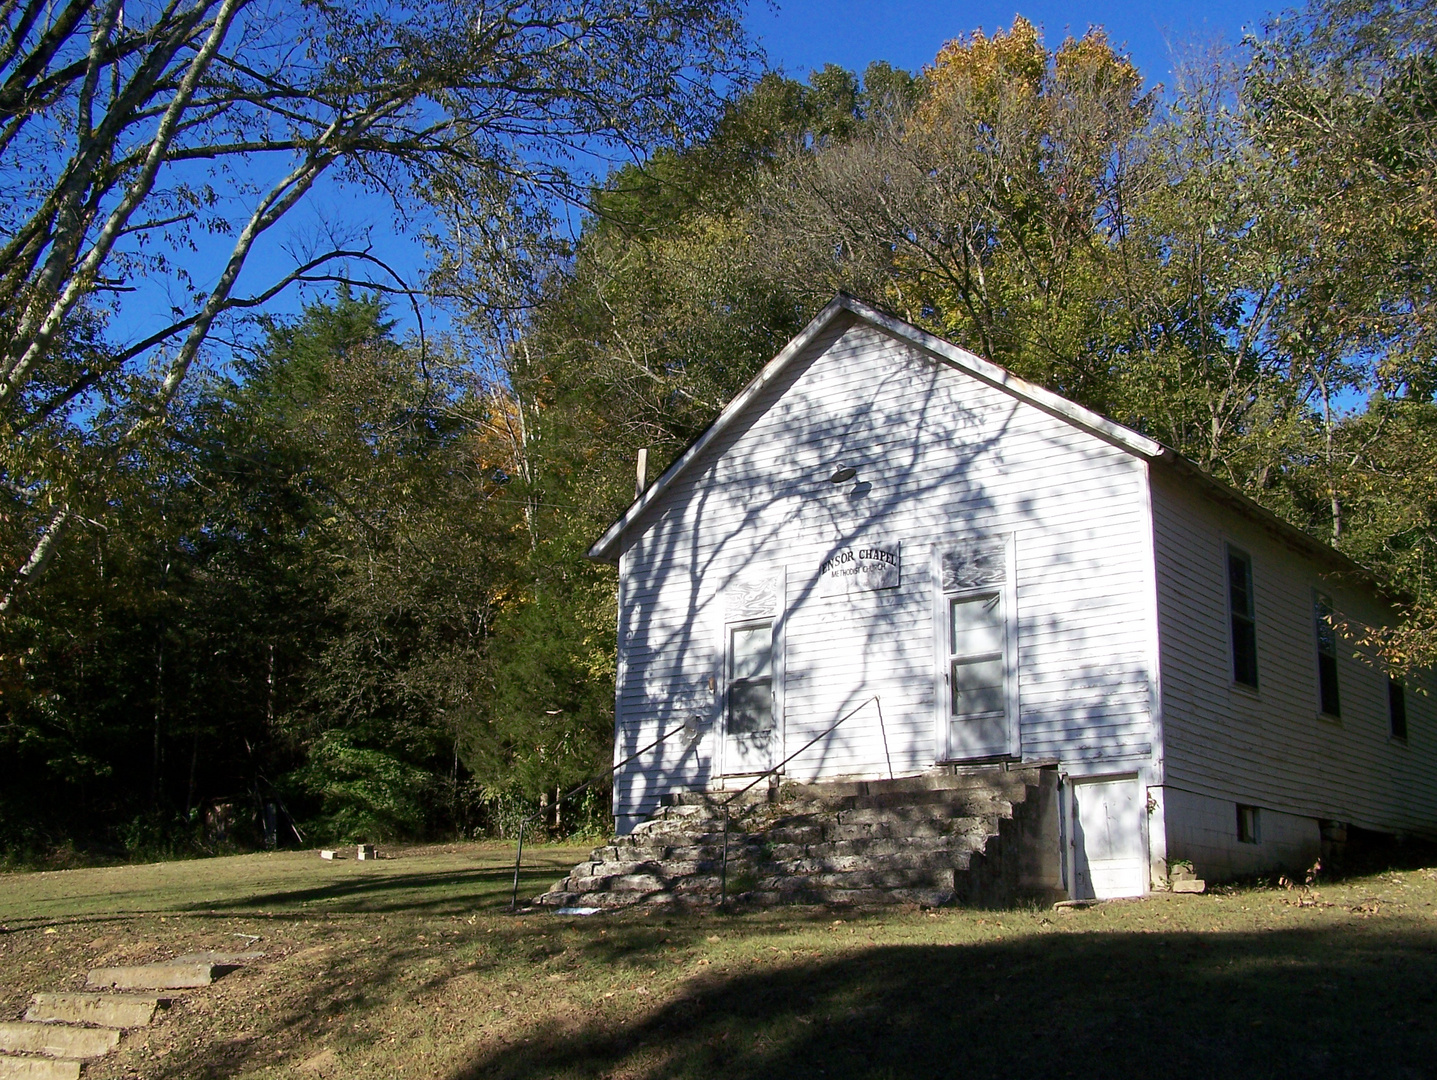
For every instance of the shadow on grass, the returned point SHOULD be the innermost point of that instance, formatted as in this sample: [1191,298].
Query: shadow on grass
[1348,1001]
[439,892]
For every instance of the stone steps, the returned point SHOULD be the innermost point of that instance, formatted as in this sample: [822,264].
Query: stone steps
[61,1031]
[27,1068]
[935,838]
[154,976]
[56,1040]
[982,779]
[102,1010]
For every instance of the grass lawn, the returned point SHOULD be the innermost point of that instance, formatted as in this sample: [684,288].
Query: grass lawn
[412,966]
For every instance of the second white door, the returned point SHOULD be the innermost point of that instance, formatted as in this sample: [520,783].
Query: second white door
[1109,852]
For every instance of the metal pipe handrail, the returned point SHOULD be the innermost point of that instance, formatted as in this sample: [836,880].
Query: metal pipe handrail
[723,872]
[519,853]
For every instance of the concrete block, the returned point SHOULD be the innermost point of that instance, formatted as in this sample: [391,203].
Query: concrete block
[104,1010]
[1190,885]
[154,976]
[365,851]
[56,1040]
[14,1068]
[329,853]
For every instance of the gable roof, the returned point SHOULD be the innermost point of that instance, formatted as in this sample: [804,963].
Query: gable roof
[843,306]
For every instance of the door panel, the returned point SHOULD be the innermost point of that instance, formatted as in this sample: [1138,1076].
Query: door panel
[1109,855]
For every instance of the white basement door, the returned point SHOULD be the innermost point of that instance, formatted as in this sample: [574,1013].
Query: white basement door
[1108,852]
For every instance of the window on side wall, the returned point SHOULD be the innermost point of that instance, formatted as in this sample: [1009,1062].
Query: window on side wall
[1327,696]
[1242,617]
[1249,825]
[1396,709]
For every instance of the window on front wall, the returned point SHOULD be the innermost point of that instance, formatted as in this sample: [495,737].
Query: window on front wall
[976,666]
[1396,709]
[750,688]
[1327,695]
[1242,617]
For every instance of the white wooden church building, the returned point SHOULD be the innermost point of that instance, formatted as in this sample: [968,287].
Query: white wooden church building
[979,570]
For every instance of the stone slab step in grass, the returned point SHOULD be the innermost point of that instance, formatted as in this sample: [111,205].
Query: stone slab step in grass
[21,1068]
[56,1040]
[171,976]
[103,1010]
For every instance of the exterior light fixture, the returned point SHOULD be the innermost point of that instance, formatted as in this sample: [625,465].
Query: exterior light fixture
[843,474]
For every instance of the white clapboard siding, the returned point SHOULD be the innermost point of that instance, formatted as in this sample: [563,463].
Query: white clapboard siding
[1272,748]
[947,456]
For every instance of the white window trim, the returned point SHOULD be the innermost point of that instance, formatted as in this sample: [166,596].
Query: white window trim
[778,621]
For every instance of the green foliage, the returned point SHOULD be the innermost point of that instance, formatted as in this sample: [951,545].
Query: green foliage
[352,571]
[1227,268]
[547,719]
[364,794]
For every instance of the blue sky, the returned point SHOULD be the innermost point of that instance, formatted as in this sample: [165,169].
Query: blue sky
[798,36]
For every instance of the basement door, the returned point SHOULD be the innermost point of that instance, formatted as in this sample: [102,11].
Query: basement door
[1109,853]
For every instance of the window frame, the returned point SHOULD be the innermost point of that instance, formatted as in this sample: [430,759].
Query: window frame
[730,680]
[757,596]
[1396,695]
[1248,617]
[1328,678]
[1249,824]
[953,658]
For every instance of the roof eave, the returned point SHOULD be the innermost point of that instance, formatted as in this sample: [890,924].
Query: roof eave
[606,547]
[1222,492]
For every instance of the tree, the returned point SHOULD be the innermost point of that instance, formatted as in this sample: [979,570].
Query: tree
[989,207]
[1341,103]
[130,132]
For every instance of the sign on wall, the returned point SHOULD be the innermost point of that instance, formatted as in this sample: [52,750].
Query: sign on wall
[863,567]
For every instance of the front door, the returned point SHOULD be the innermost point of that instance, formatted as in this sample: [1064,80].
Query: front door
[1108,848]
[751,737]
[977,675]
